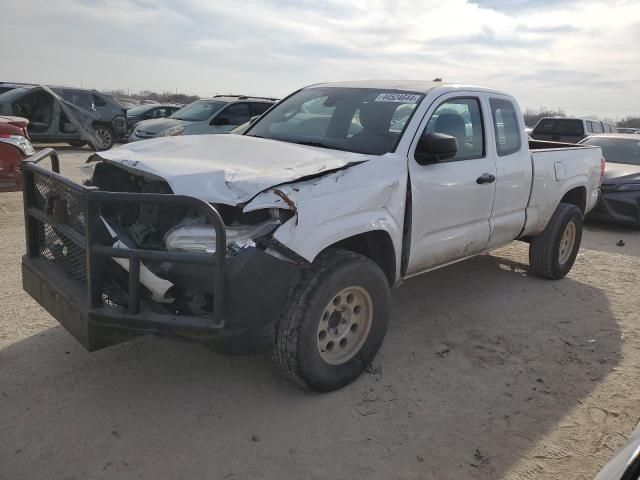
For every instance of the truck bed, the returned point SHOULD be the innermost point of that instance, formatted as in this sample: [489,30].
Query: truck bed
[556,163]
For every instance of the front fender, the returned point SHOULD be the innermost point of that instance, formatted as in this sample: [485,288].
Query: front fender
[362,198]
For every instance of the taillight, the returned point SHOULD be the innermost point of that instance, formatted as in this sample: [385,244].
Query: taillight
[603,164]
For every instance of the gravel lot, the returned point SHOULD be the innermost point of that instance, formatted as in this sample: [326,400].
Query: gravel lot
[486,372]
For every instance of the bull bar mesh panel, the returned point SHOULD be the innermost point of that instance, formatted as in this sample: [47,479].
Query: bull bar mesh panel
[61,218]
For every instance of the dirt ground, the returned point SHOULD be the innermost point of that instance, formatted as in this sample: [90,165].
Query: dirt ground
[486,373]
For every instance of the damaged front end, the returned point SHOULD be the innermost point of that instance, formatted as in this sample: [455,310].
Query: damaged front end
[124,256]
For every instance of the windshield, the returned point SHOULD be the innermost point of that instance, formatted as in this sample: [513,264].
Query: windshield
[361,120]
[618,150]
[198,110]
[559,126]
[132,112]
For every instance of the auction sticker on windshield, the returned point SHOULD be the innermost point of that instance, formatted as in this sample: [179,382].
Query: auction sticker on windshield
[398,97]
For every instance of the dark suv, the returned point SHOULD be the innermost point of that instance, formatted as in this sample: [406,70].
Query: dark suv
[63,114]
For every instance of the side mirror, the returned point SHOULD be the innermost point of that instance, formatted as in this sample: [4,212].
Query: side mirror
[253,119]
[435,147]
[221,121]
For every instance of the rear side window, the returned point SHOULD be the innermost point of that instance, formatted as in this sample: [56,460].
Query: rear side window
[559,126]
[505,126]
[597,127]
[99,102]
[589,126]
[79,98]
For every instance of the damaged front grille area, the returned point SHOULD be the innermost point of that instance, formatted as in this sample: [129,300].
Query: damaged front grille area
[65,229]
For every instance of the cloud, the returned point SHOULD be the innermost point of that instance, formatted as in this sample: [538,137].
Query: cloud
[545,52]
[518,6]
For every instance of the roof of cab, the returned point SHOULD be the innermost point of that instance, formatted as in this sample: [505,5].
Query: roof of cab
[420,86]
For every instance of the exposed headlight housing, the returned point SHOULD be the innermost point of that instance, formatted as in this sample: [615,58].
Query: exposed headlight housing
[628,187]
[173,131]
[194,236]
[22,143]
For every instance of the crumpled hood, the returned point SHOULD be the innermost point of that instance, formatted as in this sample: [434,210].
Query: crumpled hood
[228,169]
[157,125]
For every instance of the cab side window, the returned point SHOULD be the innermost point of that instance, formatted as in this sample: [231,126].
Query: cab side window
[462,119]
[505,126]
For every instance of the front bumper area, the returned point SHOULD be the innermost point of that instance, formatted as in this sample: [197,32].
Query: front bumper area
[258,287]
[69,269]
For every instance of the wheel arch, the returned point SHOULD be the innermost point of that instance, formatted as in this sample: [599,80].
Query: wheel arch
[375,245]
[576,196]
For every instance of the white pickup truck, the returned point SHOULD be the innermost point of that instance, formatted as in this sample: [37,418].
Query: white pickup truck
[290,236]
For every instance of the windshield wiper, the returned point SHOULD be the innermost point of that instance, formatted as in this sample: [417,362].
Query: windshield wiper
[312,143]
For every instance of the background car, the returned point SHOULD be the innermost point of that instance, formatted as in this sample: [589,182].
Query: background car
[7,86]
[139,113]
[219,114]
[14,147]
[628,130]
[81,117]
[568,130]
[620,191]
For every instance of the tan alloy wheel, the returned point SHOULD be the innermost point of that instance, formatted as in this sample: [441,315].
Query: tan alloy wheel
[567,242]
[345,325]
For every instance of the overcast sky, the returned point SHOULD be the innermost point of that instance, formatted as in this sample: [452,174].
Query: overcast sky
[582,56]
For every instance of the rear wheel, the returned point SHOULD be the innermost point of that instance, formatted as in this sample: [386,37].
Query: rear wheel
[334,323]
[104,138]
[553,252]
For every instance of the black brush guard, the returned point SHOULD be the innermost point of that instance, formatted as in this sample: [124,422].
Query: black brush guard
[64,265]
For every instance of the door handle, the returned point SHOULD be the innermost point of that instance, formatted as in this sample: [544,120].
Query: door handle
[485,178]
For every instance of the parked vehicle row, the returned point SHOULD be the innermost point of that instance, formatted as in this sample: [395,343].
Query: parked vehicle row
[290,236]
[140,113]
[72,115]
[219,114]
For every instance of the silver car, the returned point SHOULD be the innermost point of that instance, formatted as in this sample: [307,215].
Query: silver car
[219,114]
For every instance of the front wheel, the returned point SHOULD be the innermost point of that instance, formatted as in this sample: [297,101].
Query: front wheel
[334,323]
[552,253]
[104,138]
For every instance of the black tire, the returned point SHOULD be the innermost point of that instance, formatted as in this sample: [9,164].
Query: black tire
[106,135]
[296,351]
[77,143]
[545,249]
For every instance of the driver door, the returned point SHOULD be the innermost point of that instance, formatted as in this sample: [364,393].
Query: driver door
[451,201]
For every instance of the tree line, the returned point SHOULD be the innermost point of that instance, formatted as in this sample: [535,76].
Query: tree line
[164,97]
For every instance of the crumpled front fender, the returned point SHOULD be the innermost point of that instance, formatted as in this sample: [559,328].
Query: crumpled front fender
[362,198]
